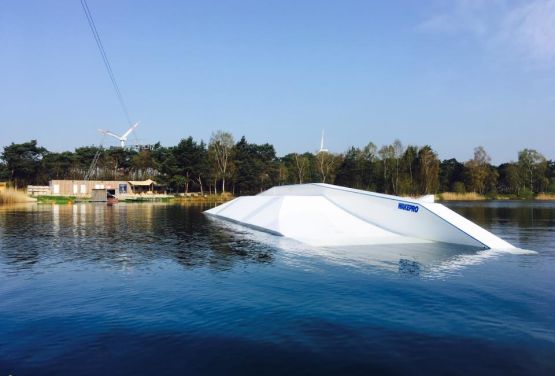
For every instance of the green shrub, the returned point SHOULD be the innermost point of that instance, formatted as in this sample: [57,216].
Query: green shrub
[458,187]
[526,194]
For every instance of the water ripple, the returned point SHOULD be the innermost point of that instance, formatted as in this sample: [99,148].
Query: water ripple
[91,289]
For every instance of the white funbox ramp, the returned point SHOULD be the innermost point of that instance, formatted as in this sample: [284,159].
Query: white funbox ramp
[329,215]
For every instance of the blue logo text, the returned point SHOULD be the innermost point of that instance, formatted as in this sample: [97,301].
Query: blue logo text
[408,207]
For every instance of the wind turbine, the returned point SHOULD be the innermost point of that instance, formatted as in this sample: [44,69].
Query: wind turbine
[322,150]
[123,138]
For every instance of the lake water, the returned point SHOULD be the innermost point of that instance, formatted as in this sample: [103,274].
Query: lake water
[162,289]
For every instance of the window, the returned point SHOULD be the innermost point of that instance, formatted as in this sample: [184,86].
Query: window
[56,189]
[123,188]
[75,189]
[83,188]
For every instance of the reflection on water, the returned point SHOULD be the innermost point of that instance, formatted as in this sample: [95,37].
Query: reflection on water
[528,225]
[128,235]
[521,213]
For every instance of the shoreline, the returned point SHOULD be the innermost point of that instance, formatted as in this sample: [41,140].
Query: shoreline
[471,196]
[192,200]
[219,199]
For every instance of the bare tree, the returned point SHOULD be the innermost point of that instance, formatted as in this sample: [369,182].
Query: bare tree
[199,181]
[387,155]
[301,163]
[282,173]
[398,151]
[326,162]
[370,152]
[221,145]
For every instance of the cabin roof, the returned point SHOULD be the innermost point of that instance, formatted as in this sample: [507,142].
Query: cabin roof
[142,182]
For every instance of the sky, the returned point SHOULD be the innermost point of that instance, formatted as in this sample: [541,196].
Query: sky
[453,74]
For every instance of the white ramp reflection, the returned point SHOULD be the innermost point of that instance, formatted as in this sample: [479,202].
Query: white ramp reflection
[426,260]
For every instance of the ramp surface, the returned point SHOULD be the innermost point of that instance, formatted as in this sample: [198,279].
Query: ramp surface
[327,215]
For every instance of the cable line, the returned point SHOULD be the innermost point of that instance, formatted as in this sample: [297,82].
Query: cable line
[105,59]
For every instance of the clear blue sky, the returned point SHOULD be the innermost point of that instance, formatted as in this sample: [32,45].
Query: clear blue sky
[454,74]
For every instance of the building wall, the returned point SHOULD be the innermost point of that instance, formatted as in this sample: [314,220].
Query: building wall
[84,188]
[99,195]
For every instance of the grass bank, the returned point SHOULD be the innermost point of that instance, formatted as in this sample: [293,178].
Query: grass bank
[12,196]
[56,199]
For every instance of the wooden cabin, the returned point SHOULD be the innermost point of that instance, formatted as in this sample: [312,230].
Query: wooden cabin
[84,188]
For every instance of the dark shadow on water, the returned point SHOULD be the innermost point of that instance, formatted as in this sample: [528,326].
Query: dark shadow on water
[409,267]
[383,352]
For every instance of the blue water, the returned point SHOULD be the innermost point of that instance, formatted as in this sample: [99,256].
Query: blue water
[161,289]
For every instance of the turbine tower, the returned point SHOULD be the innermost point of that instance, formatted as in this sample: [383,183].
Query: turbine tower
[322,150]
[123,138]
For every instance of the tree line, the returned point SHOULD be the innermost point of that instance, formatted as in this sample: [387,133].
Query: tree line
[241,167]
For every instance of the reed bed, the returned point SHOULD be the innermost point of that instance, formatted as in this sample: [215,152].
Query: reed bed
[545,196]
[12,196]
[453,196]
[211,198]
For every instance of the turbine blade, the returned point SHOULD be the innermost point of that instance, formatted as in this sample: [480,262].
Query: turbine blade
[113,135]
[124,136]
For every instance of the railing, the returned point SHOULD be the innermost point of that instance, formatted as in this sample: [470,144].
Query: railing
[38,190]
